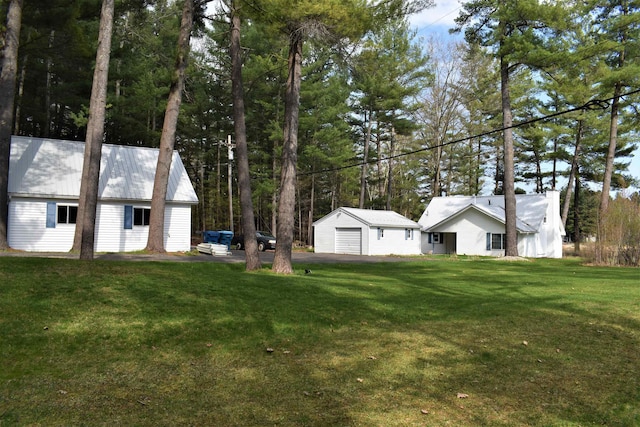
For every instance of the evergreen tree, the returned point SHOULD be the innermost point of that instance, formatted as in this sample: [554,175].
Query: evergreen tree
[515,30]
[155,241]
[88,202]
[8,73]
[244,179]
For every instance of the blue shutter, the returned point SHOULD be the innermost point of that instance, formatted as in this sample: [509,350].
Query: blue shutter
[488,241]
[51,214]
[128,217]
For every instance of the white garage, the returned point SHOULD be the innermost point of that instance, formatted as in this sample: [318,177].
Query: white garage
[366,232]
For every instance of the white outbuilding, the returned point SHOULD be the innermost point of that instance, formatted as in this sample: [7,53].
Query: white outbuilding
[44,189]
[475,225]
[366,232]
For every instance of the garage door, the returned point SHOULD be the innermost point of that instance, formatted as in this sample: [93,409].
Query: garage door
[349,241]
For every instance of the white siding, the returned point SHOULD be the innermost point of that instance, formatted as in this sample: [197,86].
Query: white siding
[325,231]
[27,228]
[471,230]
[110,231]
[177,228]
[469,218]
[393,241]
[331,231]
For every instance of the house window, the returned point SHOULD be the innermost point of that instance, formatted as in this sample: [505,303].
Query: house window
[408,234]
[380,233]
[435,238]
[67,214]
[141,216]
[135,216]
[60,214]
[497,241]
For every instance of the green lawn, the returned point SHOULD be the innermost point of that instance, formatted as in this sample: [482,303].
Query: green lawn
[461,342]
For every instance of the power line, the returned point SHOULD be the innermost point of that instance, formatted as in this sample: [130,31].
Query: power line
[439,19]
[594,104]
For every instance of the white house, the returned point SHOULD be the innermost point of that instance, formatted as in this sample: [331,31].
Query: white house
[475,225]
[44,188]
[366,232]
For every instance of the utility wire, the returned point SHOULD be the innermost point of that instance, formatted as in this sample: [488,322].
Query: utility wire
[594,104]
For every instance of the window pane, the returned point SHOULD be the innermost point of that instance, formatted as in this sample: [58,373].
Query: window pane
[62,214]
[147,215]
[137,216]
[496,241]
[73,214]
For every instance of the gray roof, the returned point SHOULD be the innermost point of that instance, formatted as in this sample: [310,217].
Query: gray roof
[376,218]
[530,210]
[51,168]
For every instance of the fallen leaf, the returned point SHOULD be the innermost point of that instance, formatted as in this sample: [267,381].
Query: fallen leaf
[209,344]
[525,343]
[424,411]
[372,357]
[360,380]
[269,350]
[462,395]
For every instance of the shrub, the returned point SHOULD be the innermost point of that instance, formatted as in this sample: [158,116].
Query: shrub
[619,239]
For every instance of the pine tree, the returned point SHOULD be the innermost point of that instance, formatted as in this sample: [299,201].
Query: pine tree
[8,74]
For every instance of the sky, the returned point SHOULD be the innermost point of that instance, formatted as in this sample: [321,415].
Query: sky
[439,19]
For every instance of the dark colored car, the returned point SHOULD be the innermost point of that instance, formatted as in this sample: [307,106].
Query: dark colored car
[265,241]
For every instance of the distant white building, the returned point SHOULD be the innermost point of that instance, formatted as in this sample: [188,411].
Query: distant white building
[366,232]
[475,225]
[44,188]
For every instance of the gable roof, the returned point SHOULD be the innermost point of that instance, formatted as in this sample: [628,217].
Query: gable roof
[375,218]
[52,168]
[530,210]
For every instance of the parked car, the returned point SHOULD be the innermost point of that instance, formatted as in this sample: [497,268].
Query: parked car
[265,241]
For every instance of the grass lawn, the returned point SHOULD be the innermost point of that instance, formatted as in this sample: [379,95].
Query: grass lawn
[461,342]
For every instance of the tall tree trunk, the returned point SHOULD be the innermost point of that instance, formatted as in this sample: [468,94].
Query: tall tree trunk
[244,180]
[365,160]
[312,200]
[511,238]
[7,95]
[155,241]
[576,214]
[47,97]
[392,147]
[87,206]
[436,191]
[572,174]
[19,99]
[288,177]
[611,152]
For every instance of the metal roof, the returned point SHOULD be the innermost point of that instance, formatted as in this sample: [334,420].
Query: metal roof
[530,210]
[52,168]
[376,218]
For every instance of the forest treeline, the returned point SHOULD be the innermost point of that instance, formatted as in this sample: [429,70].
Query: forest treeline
[386,121]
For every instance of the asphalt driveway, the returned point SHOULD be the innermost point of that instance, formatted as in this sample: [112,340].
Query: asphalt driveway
[298,257]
